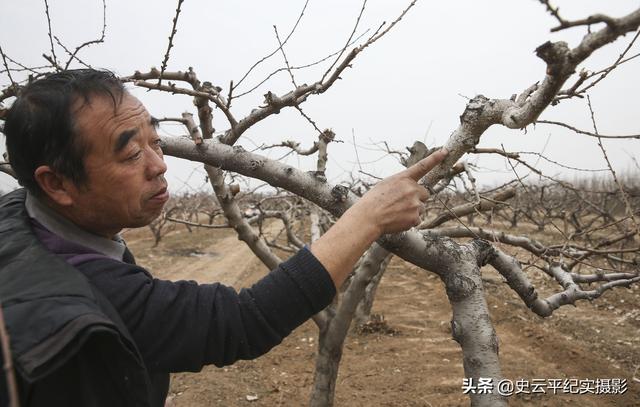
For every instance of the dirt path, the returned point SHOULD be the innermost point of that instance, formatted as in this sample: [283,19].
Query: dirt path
[217,256]
[420,365]
[226,260]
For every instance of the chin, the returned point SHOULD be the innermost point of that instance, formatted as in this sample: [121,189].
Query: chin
[151,218]
[141,222]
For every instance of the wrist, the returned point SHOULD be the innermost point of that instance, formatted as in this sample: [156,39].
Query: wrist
[340,248]
[363,223]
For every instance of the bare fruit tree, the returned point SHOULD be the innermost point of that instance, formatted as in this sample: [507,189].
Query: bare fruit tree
[595,227]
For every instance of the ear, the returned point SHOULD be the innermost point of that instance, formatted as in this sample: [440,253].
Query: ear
[55,186]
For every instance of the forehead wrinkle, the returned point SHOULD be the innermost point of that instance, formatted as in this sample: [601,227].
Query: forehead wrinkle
[126,114]
[118,124]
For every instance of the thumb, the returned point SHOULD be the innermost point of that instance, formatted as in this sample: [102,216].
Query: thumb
[422,167]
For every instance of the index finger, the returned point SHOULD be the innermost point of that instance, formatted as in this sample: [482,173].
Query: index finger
[422,167]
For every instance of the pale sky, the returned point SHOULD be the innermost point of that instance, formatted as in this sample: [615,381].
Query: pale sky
[411,85]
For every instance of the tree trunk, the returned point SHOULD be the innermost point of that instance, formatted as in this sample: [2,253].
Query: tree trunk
[333,333]
[327,364]
[471,324]
[363,311]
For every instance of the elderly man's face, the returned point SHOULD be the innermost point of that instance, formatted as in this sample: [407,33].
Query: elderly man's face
[124,165]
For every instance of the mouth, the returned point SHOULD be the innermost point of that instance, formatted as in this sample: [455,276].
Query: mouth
[161,196]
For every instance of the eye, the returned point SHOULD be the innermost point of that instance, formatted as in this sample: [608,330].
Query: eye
[156,143]
[135,156]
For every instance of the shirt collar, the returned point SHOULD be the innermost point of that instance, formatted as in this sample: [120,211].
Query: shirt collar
[63,227]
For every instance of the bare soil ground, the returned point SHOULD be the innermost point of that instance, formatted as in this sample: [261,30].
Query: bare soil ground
[417,365]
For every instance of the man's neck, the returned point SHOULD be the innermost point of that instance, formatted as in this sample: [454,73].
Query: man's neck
[61,225]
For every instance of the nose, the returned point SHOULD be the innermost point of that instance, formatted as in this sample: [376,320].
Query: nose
[155,163]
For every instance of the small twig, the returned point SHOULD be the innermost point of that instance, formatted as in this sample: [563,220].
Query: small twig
[276,50]
[284,55]
[170,45]
[355,148]
[53,51]
[293,68]
[171,119]
[454,215]
[4,61]
[623,195]
[313,123]
[370,175]
[564,24]
[274,103]
[52,62]
[514,169]
[355,27]
[379,34]
[554,11]
[74,54]
[25,68]
[587,133]
[515,157]
[294,146]
[604,72]
[199,225]
[569,167]
[472,179]
[594,19]
[482,205]
[230,94]
[594,251]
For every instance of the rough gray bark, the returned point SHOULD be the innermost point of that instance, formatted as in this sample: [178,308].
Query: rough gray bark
[363,311]
[335,330]
[471,324]
[314,228]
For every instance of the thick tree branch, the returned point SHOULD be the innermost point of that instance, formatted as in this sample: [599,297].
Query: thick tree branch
[481,112]
[531,245]
[511,270]
[235,219]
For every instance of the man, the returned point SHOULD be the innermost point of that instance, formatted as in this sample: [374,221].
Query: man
[90,328]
